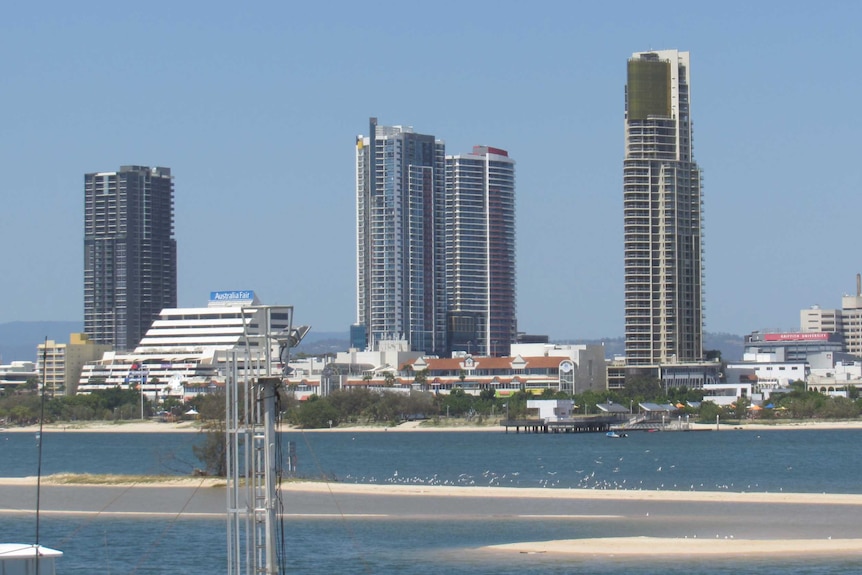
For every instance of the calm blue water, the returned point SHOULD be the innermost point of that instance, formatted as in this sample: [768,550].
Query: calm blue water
[333,547]
[798,461]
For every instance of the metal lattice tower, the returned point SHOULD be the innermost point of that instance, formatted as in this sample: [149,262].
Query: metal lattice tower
[252,447]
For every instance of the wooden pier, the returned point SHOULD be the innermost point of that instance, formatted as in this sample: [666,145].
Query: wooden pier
[587,424]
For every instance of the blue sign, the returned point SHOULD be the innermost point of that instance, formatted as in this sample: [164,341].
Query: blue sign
[232,296]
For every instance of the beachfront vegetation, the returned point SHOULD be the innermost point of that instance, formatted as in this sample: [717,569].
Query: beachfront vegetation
[105,405]
[365,407]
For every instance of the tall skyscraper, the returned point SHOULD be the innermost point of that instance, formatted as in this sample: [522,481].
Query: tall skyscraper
[401,274]
[480,251]
[130,254]
[662,214]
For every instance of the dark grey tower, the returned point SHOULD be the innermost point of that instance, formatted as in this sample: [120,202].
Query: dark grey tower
[130,253]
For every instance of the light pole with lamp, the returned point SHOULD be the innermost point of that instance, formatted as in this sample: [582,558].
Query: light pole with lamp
[506,405]
[143,381]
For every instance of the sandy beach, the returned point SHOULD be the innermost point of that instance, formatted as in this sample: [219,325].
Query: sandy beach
[413,426]
[762,524]
[667,547]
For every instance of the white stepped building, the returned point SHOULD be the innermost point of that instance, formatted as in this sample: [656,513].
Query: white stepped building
[185,351]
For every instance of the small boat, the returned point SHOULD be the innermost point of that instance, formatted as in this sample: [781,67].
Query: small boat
[615,435]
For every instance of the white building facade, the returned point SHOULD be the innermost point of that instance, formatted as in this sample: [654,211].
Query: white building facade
[480,251]
[188,348]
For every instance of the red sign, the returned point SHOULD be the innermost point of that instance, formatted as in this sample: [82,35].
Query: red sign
[807,336]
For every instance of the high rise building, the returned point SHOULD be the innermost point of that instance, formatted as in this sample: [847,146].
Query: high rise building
[480,251]
[130,254]
[401,274]
[662,214]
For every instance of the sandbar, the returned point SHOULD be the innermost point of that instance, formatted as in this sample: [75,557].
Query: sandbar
[449,491]
[668,547]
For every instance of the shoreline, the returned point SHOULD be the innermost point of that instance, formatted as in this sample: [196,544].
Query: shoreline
[137,426]
[445,491]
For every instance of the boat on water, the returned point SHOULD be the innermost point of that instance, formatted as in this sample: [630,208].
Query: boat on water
[615,435]
[26,559]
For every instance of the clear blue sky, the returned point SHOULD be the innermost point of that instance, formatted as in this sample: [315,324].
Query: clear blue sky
[255,109]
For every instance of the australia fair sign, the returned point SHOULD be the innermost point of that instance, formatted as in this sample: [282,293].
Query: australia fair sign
[232,297]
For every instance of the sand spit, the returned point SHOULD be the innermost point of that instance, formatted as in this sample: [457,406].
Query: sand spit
[672,547]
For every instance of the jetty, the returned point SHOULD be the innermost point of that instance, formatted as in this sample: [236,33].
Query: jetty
[585,424]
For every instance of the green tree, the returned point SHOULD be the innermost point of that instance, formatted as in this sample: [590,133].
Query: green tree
[838,408]
[457,403]
[351,403]
[709,411]
[388,379]
[643,388]
[588,400]
[212,451]
[421,378]
[315,413]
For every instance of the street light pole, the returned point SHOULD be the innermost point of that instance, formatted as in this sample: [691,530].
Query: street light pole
[142,379]
[506,405]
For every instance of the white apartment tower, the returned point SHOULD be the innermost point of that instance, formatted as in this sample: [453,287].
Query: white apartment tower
[663,233]
[480,248]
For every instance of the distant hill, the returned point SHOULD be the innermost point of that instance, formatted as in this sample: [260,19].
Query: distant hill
[731,346]
[319,343]
[19,339]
